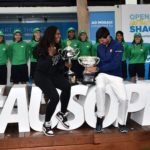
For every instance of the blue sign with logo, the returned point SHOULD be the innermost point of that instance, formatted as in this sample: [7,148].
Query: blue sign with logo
[101,19]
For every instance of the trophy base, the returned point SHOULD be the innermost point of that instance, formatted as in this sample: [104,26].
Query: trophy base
[88,78]
[72,79]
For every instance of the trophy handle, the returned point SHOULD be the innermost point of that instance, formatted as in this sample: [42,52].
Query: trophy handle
[76,54]
[79,61]
[61,51]
[98,60]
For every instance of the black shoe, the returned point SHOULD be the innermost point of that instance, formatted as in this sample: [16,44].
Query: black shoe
[47,130]
[63,119]
[123,128]
[99,124]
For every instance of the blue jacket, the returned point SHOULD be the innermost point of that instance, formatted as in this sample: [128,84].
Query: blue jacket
[110,58]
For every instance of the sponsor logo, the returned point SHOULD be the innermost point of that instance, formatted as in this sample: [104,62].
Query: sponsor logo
[118,51]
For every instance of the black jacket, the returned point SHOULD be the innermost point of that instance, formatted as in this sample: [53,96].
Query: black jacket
[50,66]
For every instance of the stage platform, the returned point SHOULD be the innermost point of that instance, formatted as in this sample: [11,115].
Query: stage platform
[84,138]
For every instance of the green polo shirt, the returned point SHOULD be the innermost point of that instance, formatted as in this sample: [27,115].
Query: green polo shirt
[3,53]
[125,46]
[94,49]
[18,52]
[137,53]
[85,48]
[32,45]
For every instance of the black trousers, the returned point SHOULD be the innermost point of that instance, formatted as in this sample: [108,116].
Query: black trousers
[48,85]
[19,73]
[32,69]
[124,70]
[3,74]
[137,69]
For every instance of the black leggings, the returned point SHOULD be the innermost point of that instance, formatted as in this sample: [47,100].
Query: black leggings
[32,69]
[3,74]
[124,70]
[48,86]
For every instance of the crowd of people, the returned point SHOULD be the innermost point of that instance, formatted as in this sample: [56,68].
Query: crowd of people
[19,52]
[47,68]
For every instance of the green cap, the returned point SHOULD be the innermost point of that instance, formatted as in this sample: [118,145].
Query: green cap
[1,33]
[138,34]
[71,29]
[36,29]
[82,31]
[17,31]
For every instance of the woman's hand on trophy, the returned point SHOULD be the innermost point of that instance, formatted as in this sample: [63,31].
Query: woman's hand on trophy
[68,65]
[91,69]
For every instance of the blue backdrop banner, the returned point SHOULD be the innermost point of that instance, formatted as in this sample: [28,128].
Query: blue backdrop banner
[99,19]
[27,28]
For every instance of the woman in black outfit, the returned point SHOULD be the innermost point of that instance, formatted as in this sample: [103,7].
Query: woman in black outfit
[49,75]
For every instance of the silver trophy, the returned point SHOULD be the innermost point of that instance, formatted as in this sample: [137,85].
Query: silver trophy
[88,61]
[68,54]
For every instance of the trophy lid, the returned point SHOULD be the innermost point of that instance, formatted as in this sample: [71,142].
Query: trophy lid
[88,60]
[69,48]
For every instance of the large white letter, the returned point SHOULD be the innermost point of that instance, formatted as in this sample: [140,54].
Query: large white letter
[2,98]
[75,107]
[111,107]
[9,115]
[36,119]
[139,102]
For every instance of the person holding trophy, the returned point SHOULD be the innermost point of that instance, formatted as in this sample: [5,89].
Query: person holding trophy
[110,72]
[49,75]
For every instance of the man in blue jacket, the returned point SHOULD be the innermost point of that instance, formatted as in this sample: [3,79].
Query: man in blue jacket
[110,53]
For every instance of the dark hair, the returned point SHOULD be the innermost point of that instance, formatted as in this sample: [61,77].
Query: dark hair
[3,41]
[121,33]
[79,37]
[14,37]
[102,32]
[47,39]
[33,37]
[74,34]
[141,42]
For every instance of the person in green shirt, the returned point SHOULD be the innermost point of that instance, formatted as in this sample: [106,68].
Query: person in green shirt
[3,59]
[137,54]
[33,44]
[74,43]
[85,45]
[18,55]
[71,39]
[94,48]
[120,38]
[85,49]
